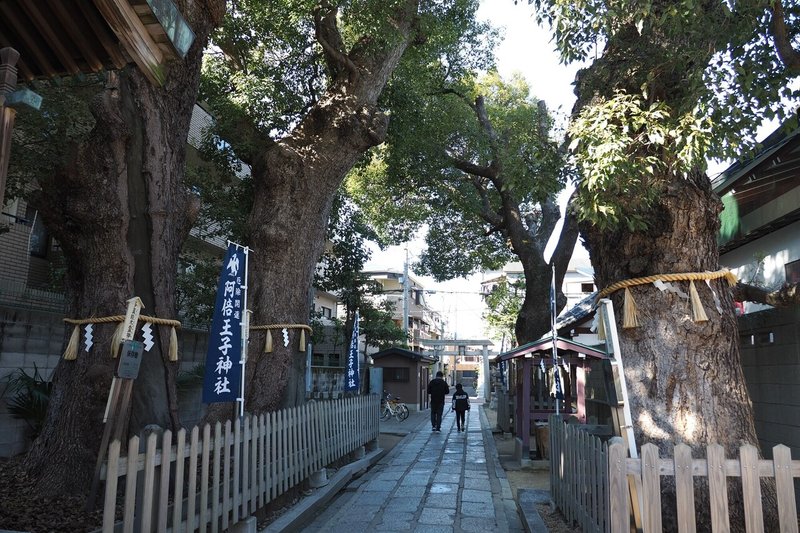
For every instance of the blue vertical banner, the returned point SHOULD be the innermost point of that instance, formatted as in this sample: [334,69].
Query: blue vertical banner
[351,377]
[223,359]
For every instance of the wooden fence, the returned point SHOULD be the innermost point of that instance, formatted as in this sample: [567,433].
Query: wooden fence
[223,475]
[579,475]
[590,480]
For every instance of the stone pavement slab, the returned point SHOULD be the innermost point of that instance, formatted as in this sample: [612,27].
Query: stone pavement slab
[430,482]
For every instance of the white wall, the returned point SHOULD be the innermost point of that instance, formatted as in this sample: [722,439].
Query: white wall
[778,248]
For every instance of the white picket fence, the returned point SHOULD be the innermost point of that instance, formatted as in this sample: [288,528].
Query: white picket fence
[225,474]
[591,481]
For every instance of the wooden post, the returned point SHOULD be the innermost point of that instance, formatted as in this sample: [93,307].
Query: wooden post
[618,496]
[579,373]
[119,400]
[525,425]
[8,83]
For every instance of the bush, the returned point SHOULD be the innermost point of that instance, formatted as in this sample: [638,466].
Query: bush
[31,395]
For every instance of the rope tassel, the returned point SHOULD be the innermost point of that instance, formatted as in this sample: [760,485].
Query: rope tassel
[173,344]
[268,343]
[630,320]
[697,306]
[71,352]
[302,340]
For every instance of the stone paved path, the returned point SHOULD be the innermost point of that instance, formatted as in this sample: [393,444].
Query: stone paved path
[448,482]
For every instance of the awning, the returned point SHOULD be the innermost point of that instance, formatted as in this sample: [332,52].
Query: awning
[546,345]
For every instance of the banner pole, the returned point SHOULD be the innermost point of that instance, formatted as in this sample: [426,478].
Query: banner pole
[556,371]
[245,324]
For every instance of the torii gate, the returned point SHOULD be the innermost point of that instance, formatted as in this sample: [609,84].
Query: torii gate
[455,349]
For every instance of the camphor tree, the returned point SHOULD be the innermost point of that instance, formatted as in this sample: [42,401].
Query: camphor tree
[115,203]
[294,86]
[676,82]
[477,162]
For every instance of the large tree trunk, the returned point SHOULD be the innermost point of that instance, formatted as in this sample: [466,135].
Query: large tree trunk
[121,215]
[295,183]
[685,378]
[535,314]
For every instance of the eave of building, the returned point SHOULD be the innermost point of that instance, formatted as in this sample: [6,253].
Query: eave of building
[741,169]
[60,38]
[777,163]
[404,353]
[546,345]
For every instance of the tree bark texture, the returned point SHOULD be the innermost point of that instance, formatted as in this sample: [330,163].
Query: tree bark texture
[685,378]
[120,213]
[295,183]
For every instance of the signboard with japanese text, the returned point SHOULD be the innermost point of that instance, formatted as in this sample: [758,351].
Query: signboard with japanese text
[223,368]
[351,376]
[130,359]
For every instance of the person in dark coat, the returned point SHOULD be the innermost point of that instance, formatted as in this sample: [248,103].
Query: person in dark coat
[437,389]
[460,406]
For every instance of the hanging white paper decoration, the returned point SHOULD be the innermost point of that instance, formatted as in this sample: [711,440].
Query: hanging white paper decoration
[147,334]
[88,337]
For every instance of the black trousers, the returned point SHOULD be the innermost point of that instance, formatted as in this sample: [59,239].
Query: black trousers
[436,414]
[460,418]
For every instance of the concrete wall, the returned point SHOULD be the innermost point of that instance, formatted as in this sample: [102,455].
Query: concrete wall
[771,363]
[30,337]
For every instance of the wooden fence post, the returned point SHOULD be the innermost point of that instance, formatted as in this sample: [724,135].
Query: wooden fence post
[618,496]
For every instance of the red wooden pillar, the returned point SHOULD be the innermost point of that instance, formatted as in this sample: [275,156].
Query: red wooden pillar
[526,406]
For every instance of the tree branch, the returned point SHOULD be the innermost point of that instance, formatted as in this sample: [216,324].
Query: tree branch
[786,296]
[327,34]
[473,169]
[566,241]
[783,44]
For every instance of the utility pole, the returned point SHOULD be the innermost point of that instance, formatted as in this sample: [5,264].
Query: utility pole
[405,295]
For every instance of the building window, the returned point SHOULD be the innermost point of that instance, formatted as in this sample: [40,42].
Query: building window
[318,359]
[334,359]
[766,337]
[396,375]
[326,311]
[792,271]
[587,287]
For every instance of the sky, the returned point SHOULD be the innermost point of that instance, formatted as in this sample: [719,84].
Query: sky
[524,48]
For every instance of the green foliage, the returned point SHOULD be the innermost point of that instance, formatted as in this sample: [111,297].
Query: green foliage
[267,68]
[625,150]
[504,304]
[415,180]
[31,396]
[197,288]
[42,138]
[379,328]
[693,81]
[340,271]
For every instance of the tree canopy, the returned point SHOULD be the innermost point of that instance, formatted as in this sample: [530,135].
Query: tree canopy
[682,82]
[477,163]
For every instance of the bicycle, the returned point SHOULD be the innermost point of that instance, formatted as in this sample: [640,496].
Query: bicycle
[392,406]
